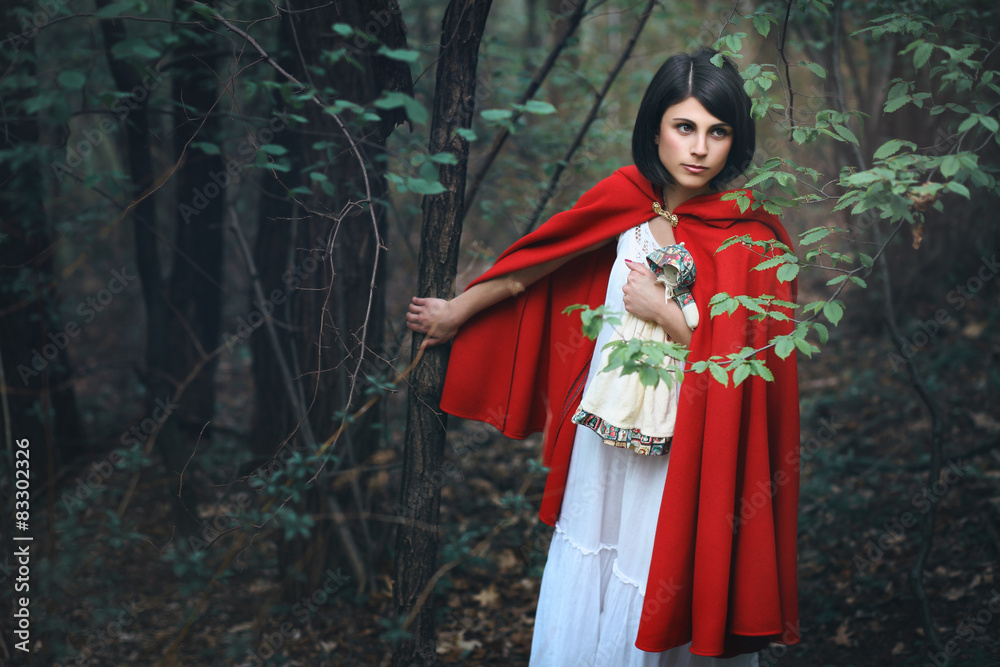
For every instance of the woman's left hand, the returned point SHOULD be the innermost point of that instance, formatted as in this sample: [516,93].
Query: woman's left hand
[644,297]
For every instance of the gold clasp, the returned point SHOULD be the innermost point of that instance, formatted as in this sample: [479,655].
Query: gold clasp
[659,210]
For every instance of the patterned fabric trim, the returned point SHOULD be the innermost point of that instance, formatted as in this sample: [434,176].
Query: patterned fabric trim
[625,438]
[684,298]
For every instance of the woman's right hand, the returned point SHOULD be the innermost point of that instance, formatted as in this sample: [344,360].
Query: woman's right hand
[435,318]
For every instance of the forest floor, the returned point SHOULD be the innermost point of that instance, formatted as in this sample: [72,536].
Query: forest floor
[119,592]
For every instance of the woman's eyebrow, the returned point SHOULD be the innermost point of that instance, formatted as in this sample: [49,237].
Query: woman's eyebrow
[688,120]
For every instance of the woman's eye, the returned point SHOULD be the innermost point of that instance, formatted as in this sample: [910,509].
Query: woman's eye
[720,132]
[684,127]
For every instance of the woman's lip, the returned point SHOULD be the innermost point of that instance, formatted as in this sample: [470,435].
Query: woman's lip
[694,169]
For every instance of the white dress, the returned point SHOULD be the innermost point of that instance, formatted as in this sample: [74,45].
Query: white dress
[595,575]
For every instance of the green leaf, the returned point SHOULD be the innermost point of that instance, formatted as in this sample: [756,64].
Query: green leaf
[958,189]
[199,7]
[444,158]
[134,47]
[273,149]
[761,24]
[539,107]
[763,371]
[648,376]
[717,60]
[896,104]
[836,280]
[846,133]
[339,106]
[860,282]
[817,69]
[950,166]
[718,373]
[833,311]
[466,133]
[805,347]
[402,55]
[722,307]
[788,272]
[72,79]
[343,29]
[718,298]
[890,147]
[748,303]
[415,111]
[813,235]
[277,166]
[741,373]
[866,260]
[423,186]
[783,346]
[989,123]
[206,147]
[821,332]
[496,114]
[922,54]
[773,262]
[317,176]
[968,124]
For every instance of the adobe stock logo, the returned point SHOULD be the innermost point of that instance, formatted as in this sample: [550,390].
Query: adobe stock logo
[222,179]
[86,309]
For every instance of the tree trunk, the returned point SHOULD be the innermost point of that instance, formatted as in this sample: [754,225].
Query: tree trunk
[423,455]
[195,289]
[325,259]
[157,376]
[37,401]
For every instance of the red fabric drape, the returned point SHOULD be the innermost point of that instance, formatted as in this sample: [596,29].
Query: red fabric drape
[723,573]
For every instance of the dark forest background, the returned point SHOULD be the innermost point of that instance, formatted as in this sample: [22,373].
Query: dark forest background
[214,215]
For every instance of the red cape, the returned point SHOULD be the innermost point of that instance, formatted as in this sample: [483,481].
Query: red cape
[724,566]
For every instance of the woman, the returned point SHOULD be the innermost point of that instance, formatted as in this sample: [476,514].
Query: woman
[698,568]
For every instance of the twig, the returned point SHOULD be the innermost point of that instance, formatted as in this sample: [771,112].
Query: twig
[562,164]
[379,245]
[937,421]
[353,553]
[729,19]
[790,99]
[508,520]
[536,82]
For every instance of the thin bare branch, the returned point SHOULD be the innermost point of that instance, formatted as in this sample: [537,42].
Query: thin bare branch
[543,71]
[591,116]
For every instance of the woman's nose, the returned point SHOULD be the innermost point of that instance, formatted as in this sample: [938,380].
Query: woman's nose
[699,146]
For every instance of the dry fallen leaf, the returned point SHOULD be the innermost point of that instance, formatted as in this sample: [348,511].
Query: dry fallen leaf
[487,597]
[974,329]
[985,422]
[507,560]
[898,648]
[843,637]
[954,594]
[464,645]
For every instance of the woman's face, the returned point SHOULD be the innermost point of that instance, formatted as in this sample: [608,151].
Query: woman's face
[693,144]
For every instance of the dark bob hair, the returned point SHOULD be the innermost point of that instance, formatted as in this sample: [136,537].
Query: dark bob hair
[719,89]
